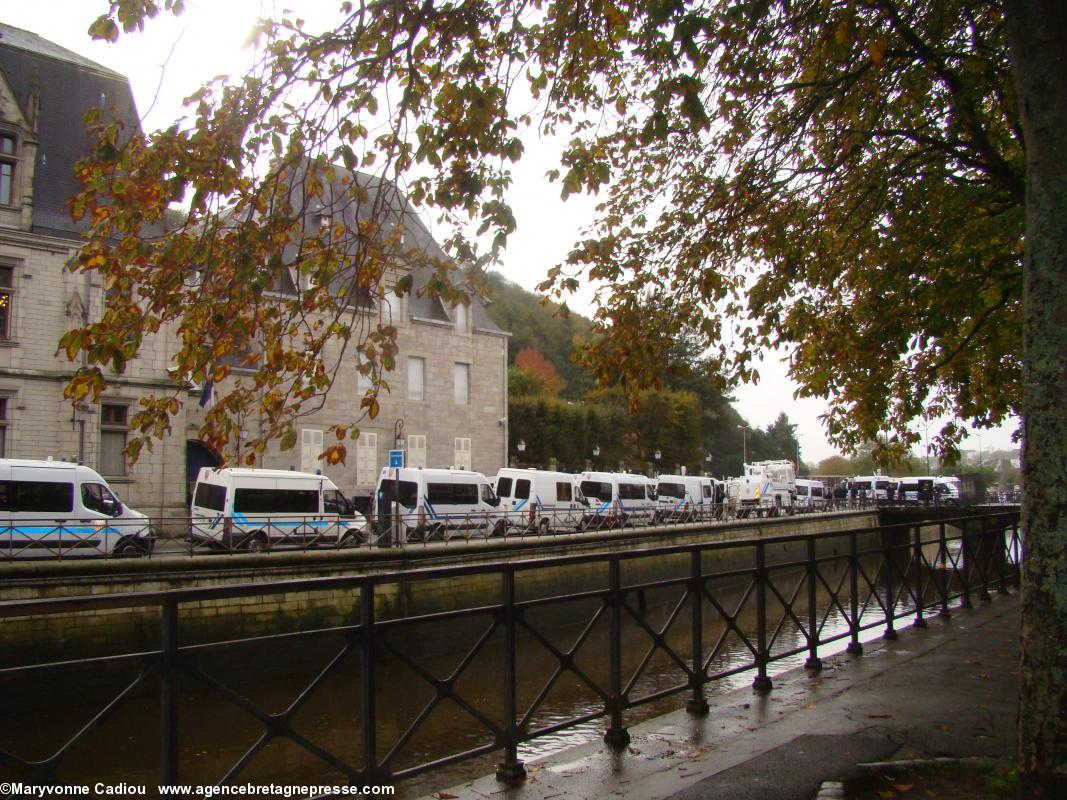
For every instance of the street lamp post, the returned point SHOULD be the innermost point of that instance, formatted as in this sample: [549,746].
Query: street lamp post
[521,447]
[744,445]
[398,432]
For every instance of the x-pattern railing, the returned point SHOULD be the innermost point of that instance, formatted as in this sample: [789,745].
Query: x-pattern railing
[885,575]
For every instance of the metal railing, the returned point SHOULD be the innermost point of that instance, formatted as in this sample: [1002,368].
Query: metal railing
[731,608]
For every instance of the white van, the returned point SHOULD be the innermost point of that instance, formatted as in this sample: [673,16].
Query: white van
[811,495]
[878,488]
[683,498]
[540,500]
[617,498]
[57,509]
[931,489]
[437,503]
[259,509]
[947,490]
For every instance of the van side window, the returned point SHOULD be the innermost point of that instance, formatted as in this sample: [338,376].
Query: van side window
[466,493]
[601,490]
[631,491]
[210,495]
[503,487]
[409,492]
[522,489]
[439,493]
[705,491]
[40,496]
[276,501]
[96,497]
[563,491]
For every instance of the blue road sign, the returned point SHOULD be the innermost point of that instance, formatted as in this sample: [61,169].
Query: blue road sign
[396,459]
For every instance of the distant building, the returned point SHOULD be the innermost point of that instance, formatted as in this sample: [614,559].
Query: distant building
[449,388]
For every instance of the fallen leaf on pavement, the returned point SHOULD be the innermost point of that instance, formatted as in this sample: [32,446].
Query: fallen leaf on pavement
[903,788]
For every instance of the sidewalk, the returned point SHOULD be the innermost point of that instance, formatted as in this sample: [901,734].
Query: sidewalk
[947,690]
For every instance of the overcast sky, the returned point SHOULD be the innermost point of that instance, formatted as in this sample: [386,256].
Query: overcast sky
[173,57]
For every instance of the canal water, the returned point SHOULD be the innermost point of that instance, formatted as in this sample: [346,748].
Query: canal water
[230,696]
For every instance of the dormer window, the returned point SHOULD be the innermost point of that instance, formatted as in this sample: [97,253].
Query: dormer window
[8,162]
[460,318]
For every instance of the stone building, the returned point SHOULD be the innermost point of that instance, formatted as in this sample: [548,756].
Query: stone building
[449,388]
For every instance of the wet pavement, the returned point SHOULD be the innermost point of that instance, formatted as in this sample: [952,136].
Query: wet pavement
[949,689]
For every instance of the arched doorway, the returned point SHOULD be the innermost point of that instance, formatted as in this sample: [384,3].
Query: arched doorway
[196,457]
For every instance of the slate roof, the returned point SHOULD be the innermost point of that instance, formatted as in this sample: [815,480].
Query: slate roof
[341,204]
[70,85]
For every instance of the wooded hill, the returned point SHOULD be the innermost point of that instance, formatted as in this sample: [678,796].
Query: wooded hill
[559,414]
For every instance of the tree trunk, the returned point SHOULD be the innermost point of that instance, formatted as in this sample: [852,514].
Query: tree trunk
[1037,34]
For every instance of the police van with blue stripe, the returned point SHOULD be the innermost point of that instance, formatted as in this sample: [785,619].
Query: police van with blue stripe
[261,509]
[57,509]
[540,500]
[618,498]
[437,504]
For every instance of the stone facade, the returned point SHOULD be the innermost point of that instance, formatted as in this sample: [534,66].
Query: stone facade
[44,92]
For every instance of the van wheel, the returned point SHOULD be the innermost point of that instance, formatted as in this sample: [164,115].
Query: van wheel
[352,539]
[129,547]
[542,527]
[256,543]
[499,529]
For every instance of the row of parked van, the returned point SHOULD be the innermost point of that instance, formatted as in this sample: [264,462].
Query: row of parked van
[439,504]
[56,508]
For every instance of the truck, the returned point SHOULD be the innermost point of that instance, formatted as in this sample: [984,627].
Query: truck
[768,488]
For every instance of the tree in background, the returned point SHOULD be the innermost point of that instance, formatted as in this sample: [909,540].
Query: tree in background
[535,322]
[531,361]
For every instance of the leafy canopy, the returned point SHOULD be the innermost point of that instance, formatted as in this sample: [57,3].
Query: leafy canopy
[841,177]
